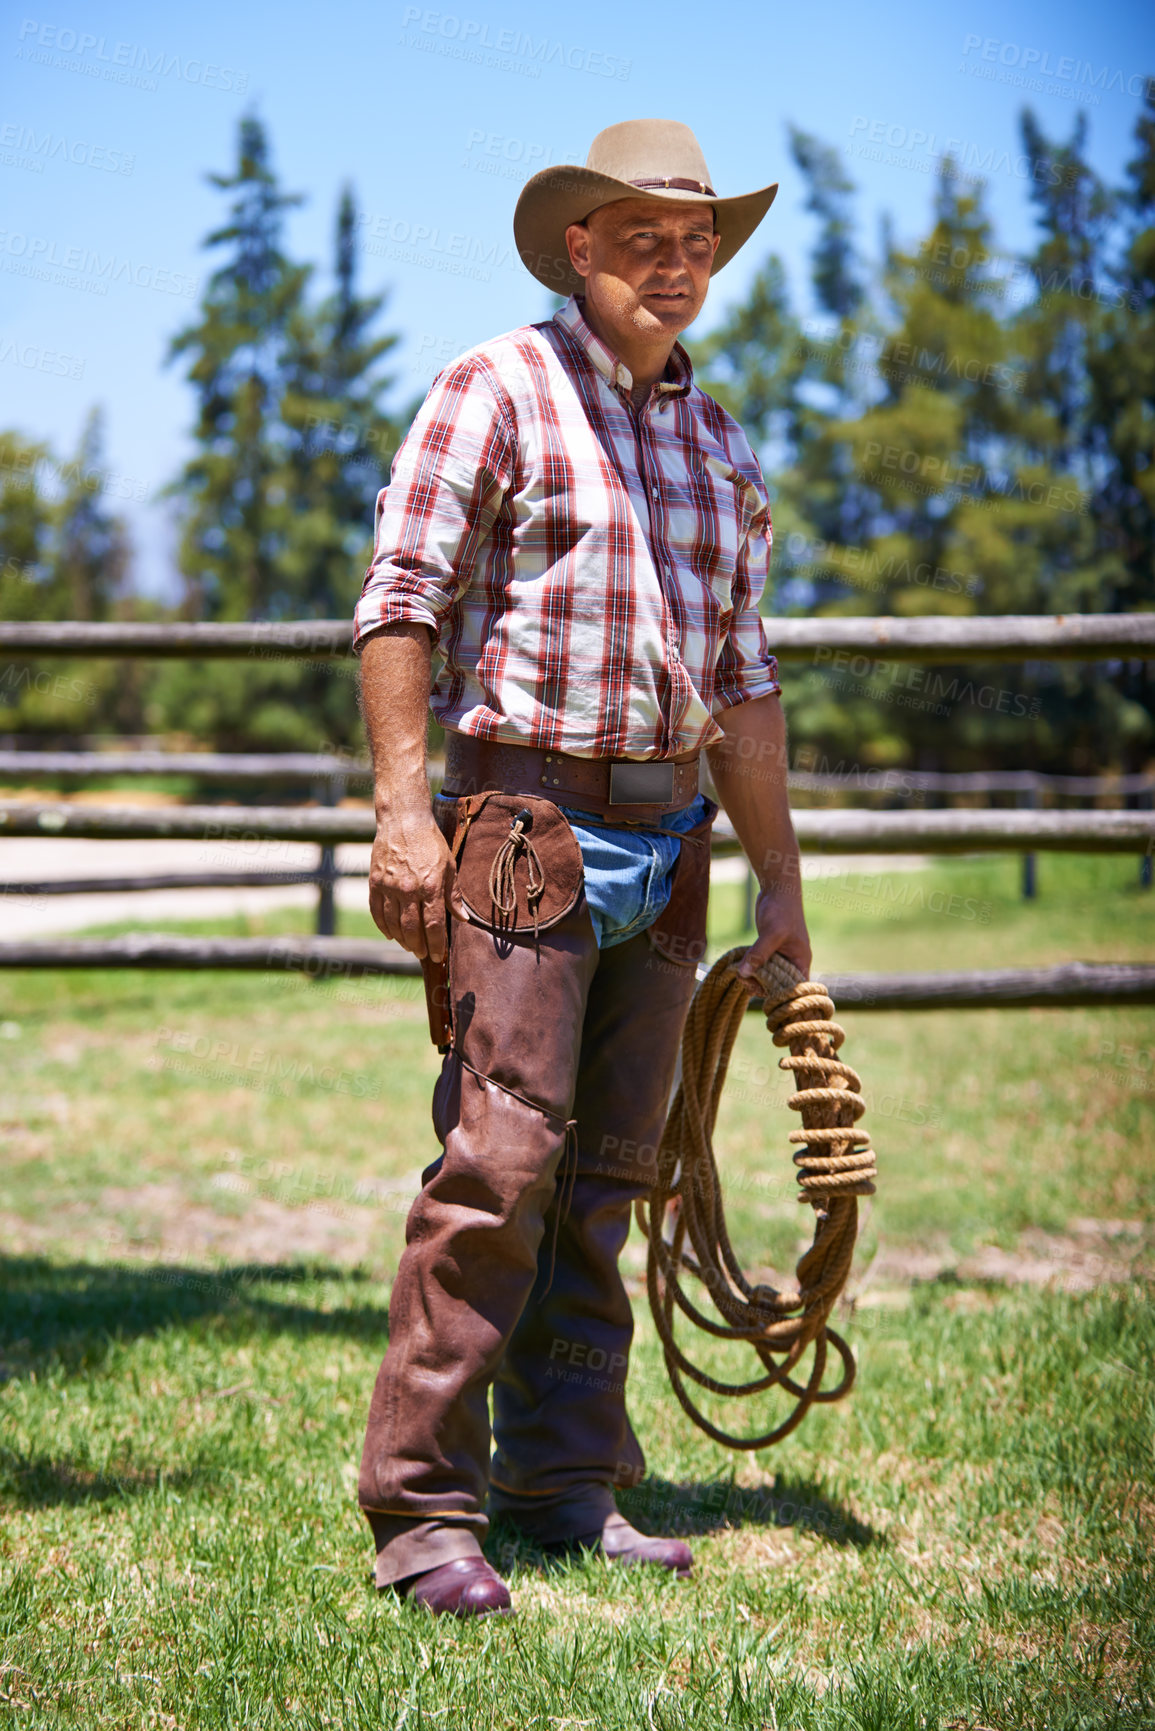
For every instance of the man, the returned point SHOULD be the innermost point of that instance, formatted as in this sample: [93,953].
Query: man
[584,536]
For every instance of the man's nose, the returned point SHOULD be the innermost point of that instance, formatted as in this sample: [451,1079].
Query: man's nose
[672,254]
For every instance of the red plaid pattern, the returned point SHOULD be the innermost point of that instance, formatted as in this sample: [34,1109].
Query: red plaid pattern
[591,572]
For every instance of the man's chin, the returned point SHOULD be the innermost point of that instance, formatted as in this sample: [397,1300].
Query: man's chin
[670,315]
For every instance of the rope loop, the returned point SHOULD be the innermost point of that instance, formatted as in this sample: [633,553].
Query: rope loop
[835,1164]
[502,878]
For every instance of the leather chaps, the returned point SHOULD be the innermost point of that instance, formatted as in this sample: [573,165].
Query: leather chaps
[549,1110]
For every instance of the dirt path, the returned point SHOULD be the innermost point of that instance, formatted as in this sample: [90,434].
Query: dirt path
[31,859]
[34,859]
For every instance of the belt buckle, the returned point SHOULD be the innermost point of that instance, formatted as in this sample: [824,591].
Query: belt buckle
[642,783]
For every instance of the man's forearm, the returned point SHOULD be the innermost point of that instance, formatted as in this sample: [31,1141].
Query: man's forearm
[748,768]
[411,872]
[749,771]
[395,676]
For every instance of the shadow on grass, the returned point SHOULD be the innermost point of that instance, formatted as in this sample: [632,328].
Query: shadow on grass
[666,1509]
[70,1314]
[39,1482]
[671,1509]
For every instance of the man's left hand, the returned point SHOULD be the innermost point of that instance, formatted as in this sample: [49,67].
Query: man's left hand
[781,925]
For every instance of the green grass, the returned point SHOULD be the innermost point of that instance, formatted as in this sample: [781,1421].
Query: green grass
[203,1187]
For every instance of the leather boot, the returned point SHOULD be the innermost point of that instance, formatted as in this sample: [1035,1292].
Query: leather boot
[620,1543]
[501,1110]
[465,1588]
[563,1438]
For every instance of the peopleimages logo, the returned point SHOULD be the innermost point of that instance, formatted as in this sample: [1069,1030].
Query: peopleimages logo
[39,360]
[475,40]
[1068,69]
[48,146]
[123,62]
[904,143]
[80,267]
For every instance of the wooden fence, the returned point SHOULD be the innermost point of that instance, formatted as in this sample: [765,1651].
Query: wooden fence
[1002,637]
[842,643]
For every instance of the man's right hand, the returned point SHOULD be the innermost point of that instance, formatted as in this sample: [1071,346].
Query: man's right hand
[411,876]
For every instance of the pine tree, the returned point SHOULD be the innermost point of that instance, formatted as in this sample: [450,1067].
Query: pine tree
[91,547]
[1121,434]
[293,445]
[834,267]
[233,489]
[26,520]
[340,439]
[64,555]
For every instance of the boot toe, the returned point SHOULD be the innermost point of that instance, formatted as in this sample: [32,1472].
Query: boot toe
[467,1587]
[620,1543]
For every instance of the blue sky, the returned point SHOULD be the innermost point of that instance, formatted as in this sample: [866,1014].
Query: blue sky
[112,114]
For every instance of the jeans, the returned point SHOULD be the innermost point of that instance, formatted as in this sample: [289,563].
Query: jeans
[628,871]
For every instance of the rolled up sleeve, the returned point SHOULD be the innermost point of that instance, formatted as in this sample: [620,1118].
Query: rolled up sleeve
[745,668]
[448,483]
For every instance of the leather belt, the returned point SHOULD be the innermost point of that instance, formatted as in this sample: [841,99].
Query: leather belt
[621,790]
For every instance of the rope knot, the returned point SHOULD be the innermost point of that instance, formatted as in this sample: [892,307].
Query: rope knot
[502,873]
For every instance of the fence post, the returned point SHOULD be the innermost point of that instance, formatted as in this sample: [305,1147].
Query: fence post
[1143,803]
[329,792]
[1029,800]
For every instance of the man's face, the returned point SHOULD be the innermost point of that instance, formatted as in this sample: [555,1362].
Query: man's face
[646,263]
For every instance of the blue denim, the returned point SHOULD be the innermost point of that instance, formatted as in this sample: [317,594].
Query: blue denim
[628,872]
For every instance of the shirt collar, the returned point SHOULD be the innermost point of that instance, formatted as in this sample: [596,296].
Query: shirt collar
[679,376]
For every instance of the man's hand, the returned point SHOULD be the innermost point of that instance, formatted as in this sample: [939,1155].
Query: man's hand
[781,926]
[411,877]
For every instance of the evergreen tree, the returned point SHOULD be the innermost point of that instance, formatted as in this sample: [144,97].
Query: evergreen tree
[293,444]
[26,523]
[834,271]
[1121,433]
[964,515]
[91,551]
[233,489]
[63,556]
[931,452]
[340,440]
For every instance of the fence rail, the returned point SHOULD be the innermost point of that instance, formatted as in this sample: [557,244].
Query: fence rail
[303,766]
[1006,638]
[818,831]
[288,766]
[1070,985]
[1001,637]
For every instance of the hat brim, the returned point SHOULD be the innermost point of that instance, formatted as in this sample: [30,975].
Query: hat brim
[557,197]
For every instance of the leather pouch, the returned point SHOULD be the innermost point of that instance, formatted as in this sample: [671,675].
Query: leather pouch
[519,866]
[679,932]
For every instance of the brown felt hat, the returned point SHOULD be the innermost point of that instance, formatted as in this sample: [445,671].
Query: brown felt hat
[657,158]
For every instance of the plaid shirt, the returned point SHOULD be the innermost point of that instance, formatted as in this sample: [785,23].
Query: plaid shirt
[590,572]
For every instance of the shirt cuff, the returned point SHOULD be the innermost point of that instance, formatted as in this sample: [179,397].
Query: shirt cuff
[758,681]
[378,611]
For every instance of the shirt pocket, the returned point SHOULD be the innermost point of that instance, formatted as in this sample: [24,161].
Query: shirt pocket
[721,489]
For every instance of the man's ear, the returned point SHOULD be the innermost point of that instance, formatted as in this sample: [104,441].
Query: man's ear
[577,240]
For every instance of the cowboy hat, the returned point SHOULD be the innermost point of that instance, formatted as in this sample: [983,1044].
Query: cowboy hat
[658,158]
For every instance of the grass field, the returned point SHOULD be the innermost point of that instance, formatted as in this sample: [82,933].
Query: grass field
[202,1197]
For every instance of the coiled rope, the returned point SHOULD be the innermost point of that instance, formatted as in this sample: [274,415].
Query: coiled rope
[836,1165]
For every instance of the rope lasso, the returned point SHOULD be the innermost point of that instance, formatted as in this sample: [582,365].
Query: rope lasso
[836,1165]
[502,884]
